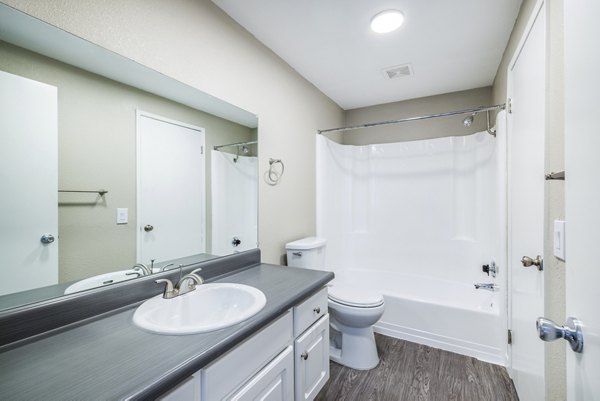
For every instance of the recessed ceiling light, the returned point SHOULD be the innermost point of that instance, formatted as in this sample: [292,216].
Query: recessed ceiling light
[387,21]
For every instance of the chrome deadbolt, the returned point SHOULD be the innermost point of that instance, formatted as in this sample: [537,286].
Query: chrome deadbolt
[571,331]
[538,262]
[148,228]
[47,239]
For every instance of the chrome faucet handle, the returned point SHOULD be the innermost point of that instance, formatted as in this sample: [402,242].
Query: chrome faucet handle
[194,279]
[164,268]
[199,278]
[169,292]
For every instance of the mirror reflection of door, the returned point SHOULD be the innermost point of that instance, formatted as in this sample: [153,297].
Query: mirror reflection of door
[171,189]
[29,184]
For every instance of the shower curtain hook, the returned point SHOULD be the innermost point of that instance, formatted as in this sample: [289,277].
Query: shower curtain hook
[489,131]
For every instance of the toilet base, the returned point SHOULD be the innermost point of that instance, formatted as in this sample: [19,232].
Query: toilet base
[353,347]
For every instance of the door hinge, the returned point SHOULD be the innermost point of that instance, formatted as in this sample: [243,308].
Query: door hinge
[509,337]
[202,149]
[509,106]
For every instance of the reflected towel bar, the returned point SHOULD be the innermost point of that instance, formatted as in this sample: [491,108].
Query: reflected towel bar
[100,192]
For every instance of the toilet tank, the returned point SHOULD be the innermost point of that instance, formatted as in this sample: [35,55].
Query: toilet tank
[307,253]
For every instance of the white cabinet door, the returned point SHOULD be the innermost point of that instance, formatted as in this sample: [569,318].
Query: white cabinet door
[582,193]
[28,183]
[311,360]
[274,383]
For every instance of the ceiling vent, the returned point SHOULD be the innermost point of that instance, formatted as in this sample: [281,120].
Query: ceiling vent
[398,71]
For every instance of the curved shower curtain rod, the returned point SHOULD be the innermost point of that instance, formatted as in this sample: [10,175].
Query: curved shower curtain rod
[474,111]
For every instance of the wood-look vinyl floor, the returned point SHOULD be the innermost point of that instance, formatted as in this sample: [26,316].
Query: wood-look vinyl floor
[414,372]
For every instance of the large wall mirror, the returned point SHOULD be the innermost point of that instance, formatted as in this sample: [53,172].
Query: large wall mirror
[109,170]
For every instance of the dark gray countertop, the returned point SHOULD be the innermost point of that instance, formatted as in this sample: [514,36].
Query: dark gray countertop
[109,358]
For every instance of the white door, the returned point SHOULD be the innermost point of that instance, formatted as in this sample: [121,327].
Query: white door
[526,91]
[28,183]
[582,195]
[171,188]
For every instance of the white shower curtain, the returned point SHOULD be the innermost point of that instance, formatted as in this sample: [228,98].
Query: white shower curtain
[234,187]
[427,208]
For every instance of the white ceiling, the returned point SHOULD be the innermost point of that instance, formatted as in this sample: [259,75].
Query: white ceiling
[452,45]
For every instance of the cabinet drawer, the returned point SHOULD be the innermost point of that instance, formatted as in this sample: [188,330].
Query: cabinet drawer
[310,311]
[235,367]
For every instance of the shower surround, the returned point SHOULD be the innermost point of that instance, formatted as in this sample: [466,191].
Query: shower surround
[416,221]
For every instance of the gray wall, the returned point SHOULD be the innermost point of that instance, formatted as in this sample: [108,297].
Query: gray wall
[554,207]
[196,43]
[438,127]
[97,141]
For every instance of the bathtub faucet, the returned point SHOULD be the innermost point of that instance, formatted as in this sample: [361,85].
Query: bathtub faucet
[486,286]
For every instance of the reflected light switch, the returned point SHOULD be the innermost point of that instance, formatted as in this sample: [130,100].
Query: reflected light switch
[122,215]
[559,239]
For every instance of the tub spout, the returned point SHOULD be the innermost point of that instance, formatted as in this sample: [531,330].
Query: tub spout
[486,286]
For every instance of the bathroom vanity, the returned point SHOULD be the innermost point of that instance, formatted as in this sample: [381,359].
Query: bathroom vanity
[272,364]
[282,351]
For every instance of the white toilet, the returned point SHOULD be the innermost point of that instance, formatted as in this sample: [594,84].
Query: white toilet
[352,310]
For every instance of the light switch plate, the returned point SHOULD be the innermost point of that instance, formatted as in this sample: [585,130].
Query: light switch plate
[559,239]
[122,215]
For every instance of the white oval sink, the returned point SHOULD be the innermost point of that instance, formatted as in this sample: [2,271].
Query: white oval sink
[100,280]
[207,308]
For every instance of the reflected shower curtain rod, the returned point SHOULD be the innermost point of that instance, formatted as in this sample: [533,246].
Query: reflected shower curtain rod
[403,120]
[235,144]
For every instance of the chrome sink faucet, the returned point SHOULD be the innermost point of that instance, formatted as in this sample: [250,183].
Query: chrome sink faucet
[172,291]
[486,286]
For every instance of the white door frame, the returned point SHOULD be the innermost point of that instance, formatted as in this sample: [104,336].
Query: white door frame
[138,137]
[537,9]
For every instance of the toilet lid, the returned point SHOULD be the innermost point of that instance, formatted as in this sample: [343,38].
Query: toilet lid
[354,296]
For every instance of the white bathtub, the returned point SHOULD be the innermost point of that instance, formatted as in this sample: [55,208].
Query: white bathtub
[443,314]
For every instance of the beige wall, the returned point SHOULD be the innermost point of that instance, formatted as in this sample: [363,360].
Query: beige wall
[97,141]
[437,127]
[554,208]
[194,42]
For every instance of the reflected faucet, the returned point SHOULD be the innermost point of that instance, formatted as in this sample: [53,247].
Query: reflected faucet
[142,267]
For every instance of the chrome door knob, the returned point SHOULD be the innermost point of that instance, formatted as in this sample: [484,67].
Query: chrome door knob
[148,228]
[538,262]
[47,239]
[571,331]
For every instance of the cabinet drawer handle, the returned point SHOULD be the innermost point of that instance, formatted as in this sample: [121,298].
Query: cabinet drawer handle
[317,310]
[304,355]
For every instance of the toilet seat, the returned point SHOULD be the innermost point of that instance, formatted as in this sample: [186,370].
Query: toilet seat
[349,295]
